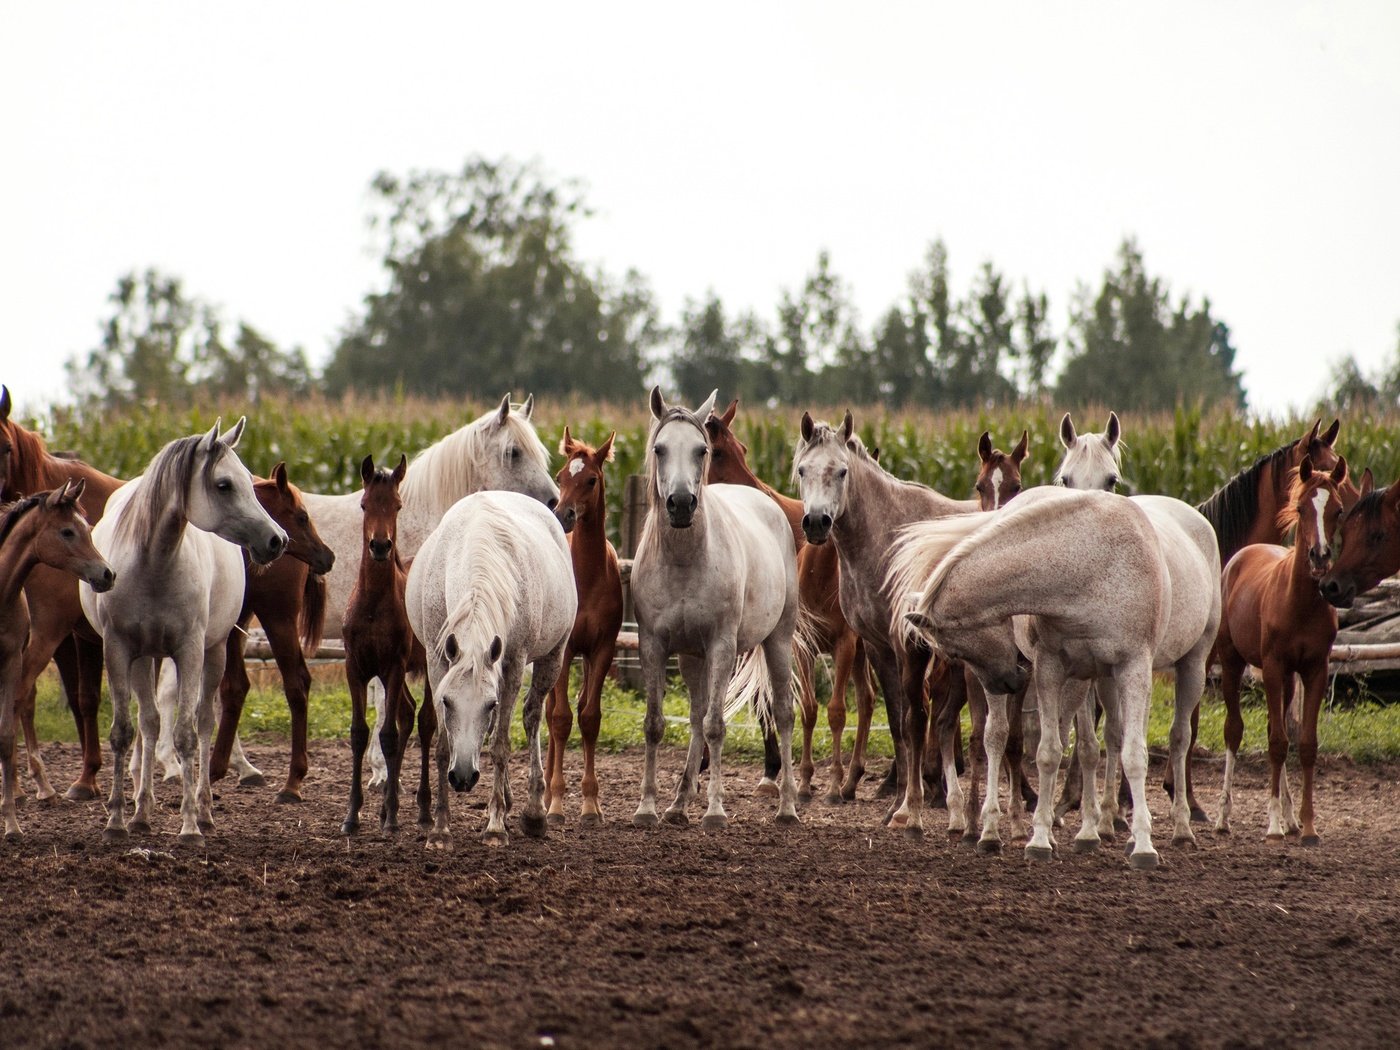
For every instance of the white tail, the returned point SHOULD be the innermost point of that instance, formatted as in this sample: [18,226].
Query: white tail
[751,683]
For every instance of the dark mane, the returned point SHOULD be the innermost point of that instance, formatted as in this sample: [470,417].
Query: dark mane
[1234,507]
[13,512]
[26,460]
[1368,506]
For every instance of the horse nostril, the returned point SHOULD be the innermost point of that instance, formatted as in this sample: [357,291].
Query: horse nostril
[108,575]
[275,544]
[826,521]
[552,502]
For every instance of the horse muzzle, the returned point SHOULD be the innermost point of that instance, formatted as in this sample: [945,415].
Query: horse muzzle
[567,518]
[100,578]
[1320,564]
[321,561]
[680,509]
[816,527]
[1336,592]
[270,549]
[463,779]
[380,550]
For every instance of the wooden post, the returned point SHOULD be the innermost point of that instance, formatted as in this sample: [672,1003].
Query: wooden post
[634,514]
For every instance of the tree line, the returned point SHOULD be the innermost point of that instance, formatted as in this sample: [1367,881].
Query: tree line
[485,291]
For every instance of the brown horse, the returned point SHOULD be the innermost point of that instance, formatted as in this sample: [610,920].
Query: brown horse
[1369,537]
[582,511]
[379,643]
[57,629]
[1273,616]
[289,599]
[44,529]
[818,582]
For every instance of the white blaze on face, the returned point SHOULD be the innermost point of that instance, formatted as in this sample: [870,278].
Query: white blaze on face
[1319,505]
[575,465]
[996,489]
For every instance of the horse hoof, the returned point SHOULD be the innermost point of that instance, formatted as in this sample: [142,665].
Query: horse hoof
[1274,837]
[785,820]
[288,797]
[114,835]
[1039,854]
[1143,861]
[677,818]
[205,824]
[1187,841]
[714,822]
[835,798]
[804,795]
[555,820]
[44,794]
[350,827]
[1198,816]
[766,789]
[495,839]
[138,827]
[848,794]
[80,793]
[534,827]
[1312,840]
[644,820]
[438,841]
[1120,826]
[253,780]
[914,831]
[191,838]
[989,847]
[590,820]
[1086,845]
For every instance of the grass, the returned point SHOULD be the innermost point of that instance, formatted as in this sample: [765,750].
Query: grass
[1363,730]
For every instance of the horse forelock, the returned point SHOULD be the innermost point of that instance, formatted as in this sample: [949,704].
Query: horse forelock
[450,468]
[487,607]
[164,488]
[1288,515]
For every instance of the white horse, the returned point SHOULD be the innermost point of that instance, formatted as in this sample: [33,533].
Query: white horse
[172,536]
[714,578]
[1095,588]
[491,590]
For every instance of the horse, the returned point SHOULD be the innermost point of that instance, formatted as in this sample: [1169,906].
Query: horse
[288,598]
[999,476]
[172,537]
[714,579]
[818,589]
[379,643]
[1094,588]
[57,630]
[1277,619]
[1369,537]
[849,500]
[489,591]
[583,515]
[46,528]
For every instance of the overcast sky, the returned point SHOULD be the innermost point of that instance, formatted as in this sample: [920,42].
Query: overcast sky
[1253,150]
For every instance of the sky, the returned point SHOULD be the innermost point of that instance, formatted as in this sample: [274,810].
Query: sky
[1252,149]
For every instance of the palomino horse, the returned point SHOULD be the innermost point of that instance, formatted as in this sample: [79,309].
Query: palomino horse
[288,598]
[379,643]
[850,500]
[1370,541]
[583,513]
[714,578]
[818,588]
[1094,588]
[57,630]
[1276,619]
[178,593]
[46,528]
[490,591]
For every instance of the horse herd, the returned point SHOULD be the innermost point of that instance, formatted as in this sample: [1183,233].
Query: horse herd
[470,563]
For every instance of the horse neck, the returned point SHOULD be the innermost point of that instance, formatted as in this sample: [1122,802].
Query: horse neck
[33,469]
[17,558]
[376,579]
[588,542]
[791,508]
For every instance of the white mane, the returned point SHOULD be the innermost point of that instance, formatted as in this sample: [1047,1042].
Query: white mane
[446,471]
[488,606]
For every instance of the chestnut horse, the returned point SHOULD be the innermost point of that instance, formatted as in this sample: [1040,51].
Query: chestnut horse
[44,529]
[1275,618]
[57,629]
[582,511]
[818,583]
[379,643]
[1370,541]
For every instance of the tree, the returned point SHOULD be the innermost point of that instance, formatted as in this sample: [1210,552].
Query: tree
[485,293]
[1131,349]
[1351,389]
[1037,342]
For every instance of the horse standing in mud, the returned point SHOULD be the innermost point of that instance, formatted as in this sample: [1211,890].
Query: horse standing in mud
[1277,619]
[490,591]
[172,536]
[46,528]
[714,578]
[583,514]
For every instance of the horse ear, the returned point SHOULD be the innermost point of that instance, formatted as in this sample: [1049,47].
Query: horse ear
[566,442]
[450,648]
[1311,435]
[504,409]
[1305,469]
[984,446]
[709,405]
[528,408]
[728,414]
[279,477]
[1368,482]
[1018,454]
[206,443]
[1339,472]
[367,469]
[75,489]
[1331,435]
[496,649]
[1114,431]
[605,450]
[5,403]
[806,426]
[658,403]
[230,437]
[401,469]
[875,453]
[848,426]
[1067,435]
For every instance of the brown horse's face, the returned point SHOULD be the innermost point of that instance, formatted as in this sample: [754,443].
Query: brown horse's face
[999,479]
[1316,505]
[580,480]
[729,463]
[381,504]
[282,501]
[1370,544]
[64,539]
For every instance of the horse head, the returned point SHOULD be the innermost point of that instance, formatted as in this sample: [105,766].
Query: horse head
[678,455]
[1370,540]
[822,465]
[381,504]
[582,493]
[219,495]
[1092,461]
[728,455]
[283,503]
[511,456]
[62,538]
[466,697]
[1314,505]
[999,479]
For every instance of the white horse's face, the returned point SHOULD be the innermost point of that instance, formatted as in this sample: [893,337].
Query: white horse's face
[509,466]
[466,698]
[822,472]
[221,499]
[680,450]
[1091,460]
[992,654]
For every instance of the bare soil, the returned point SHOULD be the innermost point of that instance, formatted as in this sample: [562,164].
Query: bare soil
[835,933]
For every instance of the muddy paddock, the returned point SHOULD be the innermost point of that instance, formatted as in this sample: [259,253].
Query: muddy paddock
[833,933]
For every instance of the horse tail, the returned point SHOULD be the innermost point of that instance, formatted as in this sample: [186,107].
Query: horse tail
[752,685]
[312,620]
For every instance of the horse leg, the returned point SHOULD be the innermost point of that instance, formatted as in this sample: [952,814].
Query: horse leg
[233,692]
[441,835]
[1314,688]
[8,774]
[1069,795]
[945,729]
[1190,684]
[711,709]
[695,671]
[204,724]
[66,657]
[652,656]
[1086,750]
[379,767]
[560,720]
[144,680]
[1018,784]
[359,741]
[865,710]
[511,674]
[843,654]
[189,667]
[590,721]
[427,726]
[914,663]
[994,741]
[777,652]
[119,661]
[1197,814]
[1049,685]
[976,753]
[167,701]
[389,730]
[89,653]
[807,678]
[296,685]
[543,677]
[1133,682]
[1278,685]
[891,684]
[1231,671]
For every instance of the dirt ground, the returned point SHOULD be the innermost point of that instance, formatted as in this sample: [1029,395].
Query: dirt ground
[834,933]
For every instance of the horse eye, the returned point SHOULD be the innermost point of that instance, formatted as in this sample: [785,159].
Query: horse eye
[1063,482]
[717,453]
[225,485]
[700,453]
[841,473]
[303,518]
[514,453]
[1015,486]
[1113,481]
[68,533]
[801,472]
[592,482]
[660,452]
